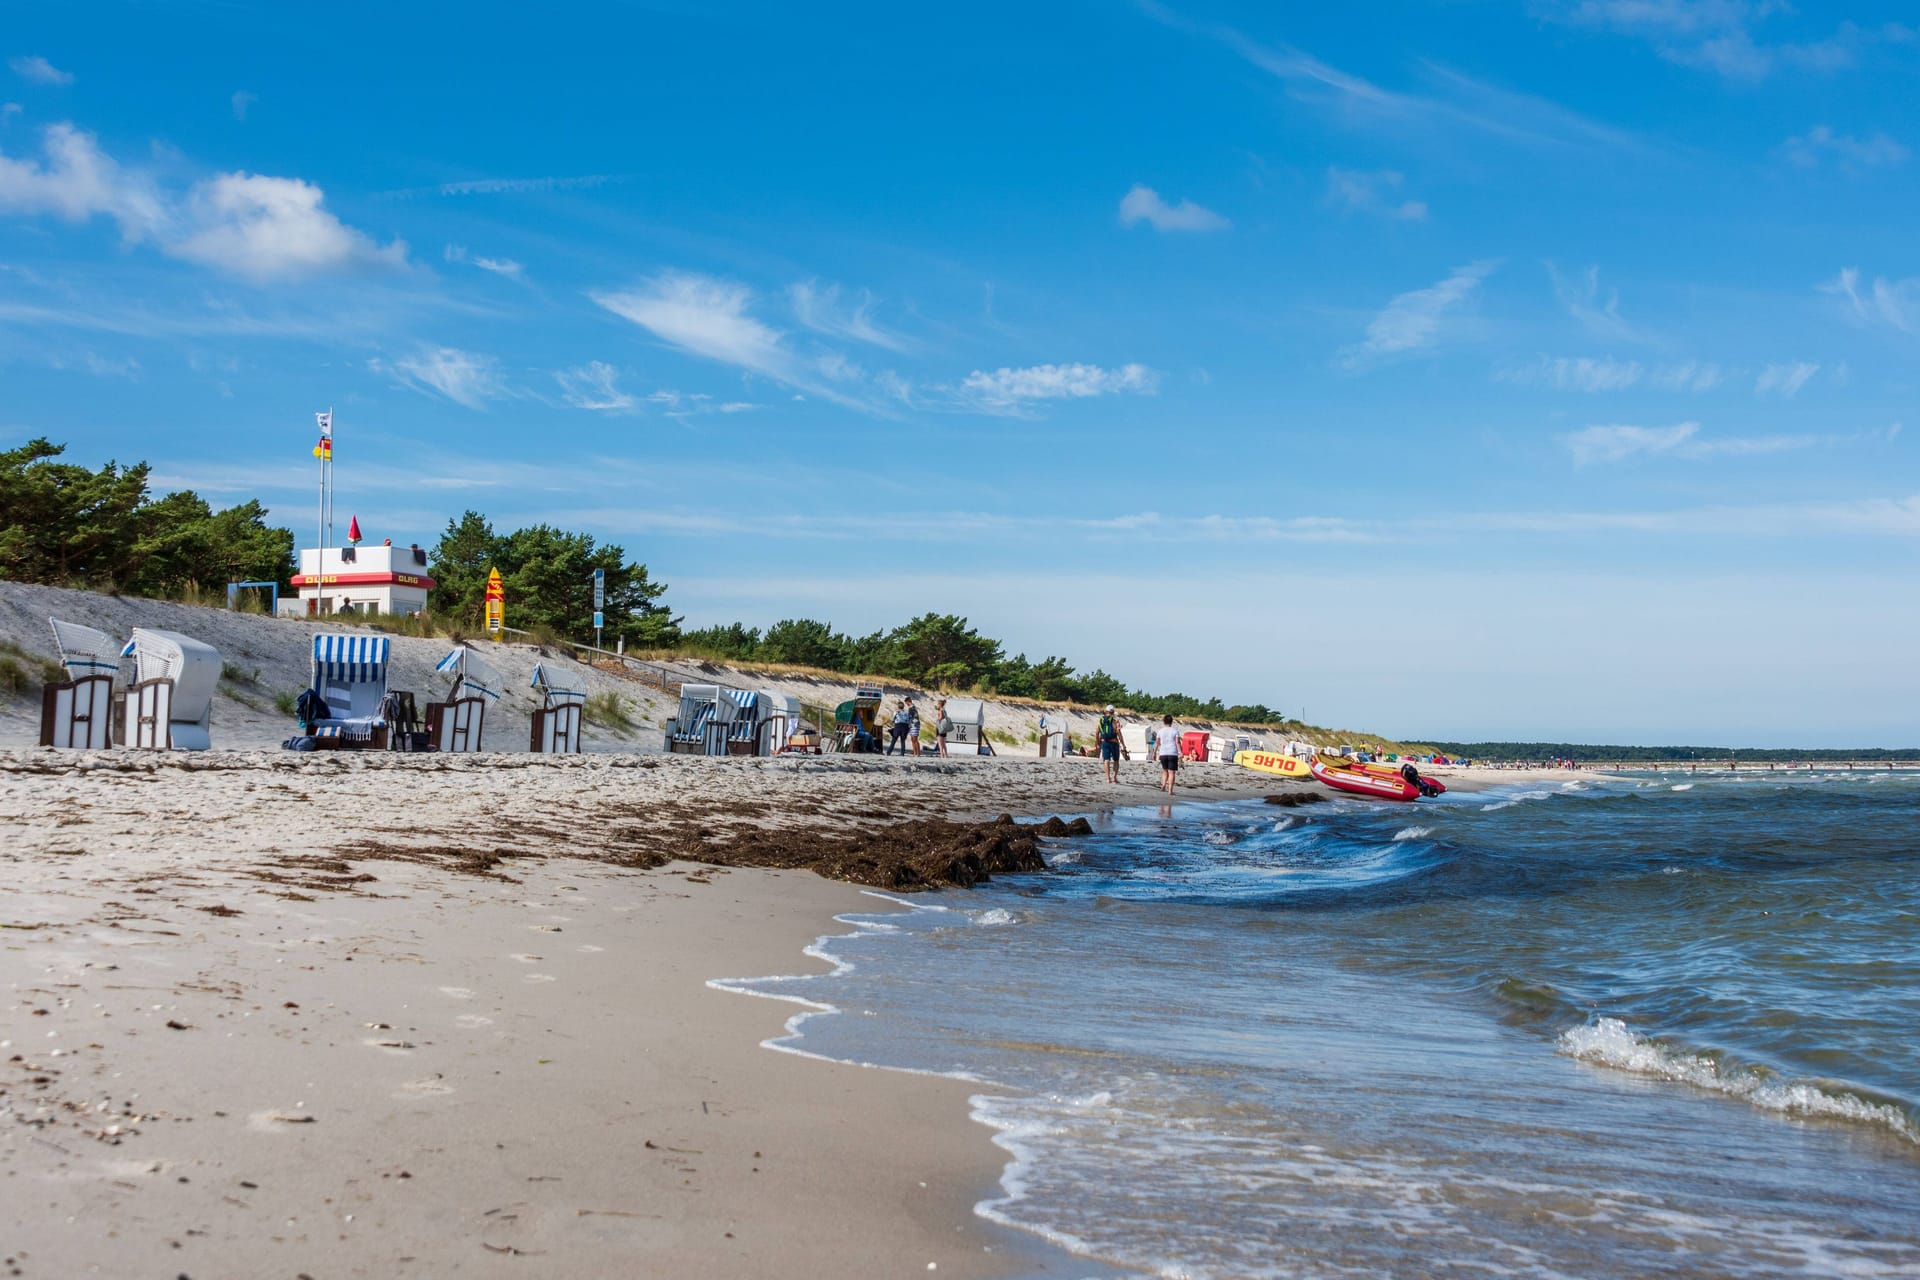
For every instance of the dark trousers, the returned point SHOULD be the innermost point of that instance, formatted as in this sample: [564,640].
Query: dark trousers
[899,739]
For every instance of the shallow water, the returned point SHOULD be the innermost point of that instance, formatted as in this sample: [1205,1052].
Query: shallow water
[1663,1025]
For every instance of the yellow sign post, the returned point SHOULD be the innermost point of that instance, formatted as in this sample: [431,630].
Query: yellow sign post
[496,602]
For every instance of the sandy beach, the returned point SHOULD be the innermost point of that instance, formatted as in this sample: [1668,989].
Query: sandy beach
[377,1015]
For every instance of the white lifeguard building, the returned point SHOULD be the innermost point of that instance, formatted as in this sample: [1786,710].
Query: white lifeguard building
[362,579]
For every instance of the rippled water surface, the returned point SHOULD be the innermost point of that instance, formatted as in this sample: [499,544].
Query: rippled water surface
[1657,1024]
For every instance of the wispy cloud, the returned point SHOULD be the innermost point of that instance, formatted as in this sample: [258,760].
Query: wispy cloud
[1820,145]
[1894,303]
[1618,443]
[1376,192]
[37,69]
[1143,204]
[242,102]
[1604,373]
[1597,309]
[1723,36]
[1011,391]
[818,307]
[1415,321]
[498,266]
[464,377]
[250,225]
[505,186]
[1574,373]
[706,317]
[595,386]
[1785,379]
[1454,99]
[1688,375]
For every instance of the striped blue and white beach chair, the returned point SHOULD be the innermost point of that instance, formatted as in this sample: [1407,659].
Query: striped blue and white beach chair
[350,675]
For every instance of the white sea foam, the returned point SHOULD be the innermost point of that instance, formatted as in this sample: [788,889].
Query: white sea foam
[1609,1042]
[1412,833]
[1064,858]
[1218,837]
[1522,798]
[1683,786]
[996,916]
[1285,823]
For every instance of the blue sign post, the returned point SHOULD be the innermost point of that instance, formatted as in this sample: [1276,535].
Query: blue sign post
[599,603]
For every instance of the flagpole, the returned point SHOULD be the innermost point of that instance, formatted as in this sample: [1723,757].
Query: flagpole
[319,538]
[329,476]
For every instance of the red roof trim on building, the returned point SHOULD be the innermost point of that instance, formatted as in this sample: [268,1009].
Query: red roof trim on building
[364,580]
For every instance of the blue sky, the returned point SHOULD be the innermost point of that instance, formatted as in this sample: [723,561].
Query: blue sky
[1464,369]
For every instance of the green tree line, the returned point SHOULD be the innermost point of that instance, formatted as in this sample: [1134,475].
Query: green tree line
[69,525]
[943,651]
[548,577]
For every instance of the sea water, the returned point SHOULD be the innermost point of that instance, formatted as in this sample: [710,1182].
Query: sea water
[1652,1025]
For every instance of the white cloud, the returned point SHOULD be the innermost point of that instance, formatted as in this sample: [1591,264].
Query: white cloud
[1615,443]
[1372,192]
[1413,321]
[76,180]
[1820,143]
[464,377]
[37,69]
[1586,302]
[499,266]
[258,227]
[818,308]
[595,386]
[1008,390]
[273,228]
[1143,204]
[242,100]
[8,110]
[707,317]
[1889,302]
[1786,379]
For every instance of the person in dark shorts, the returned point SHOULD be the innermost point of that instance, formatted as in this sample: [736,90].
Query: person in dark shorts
[1107,734]
[1167,743]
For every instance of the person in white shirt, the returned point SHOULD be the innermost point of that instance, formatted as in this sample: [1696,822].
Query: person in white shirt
[1166,741]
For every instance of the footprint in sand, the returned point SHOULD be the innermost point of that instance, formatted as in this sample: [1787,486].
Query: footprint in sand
[538,977]
[279,1121]
[472,1021]
[523,958]
[590,949]
[390,1046]
[458,993]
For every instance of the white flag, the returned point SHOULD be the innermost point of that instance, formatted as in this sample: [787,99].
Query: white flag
[326,422]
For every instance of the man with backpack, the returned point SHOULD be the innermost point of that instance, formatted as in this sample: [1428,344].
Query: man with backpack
[1107,734]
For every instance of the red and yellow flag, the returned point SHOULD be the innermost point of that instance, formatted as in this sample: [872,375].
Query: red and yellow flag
[324,449]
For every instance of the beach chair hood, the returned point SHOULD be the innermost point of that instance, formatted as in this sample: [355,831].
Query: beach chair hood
[193,666]
[558,684]
[84,651]
[473,675]
[350,671]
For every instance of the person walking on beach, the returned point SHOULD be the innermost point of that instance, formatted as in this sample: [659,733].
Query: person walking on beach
[942,726]
[897,732]
[913,725]
[1167,743]
[1107,734]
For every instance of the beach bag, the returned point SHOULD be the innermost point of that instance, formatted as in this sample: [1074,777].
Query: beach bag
[299,742]
[943,728]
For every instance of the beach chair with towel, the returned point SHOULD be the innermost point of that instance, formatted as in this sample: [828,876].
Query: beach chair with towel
[77,713]
[170,699]
[779,721]
[350,677]
[556,725]
[459,723]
